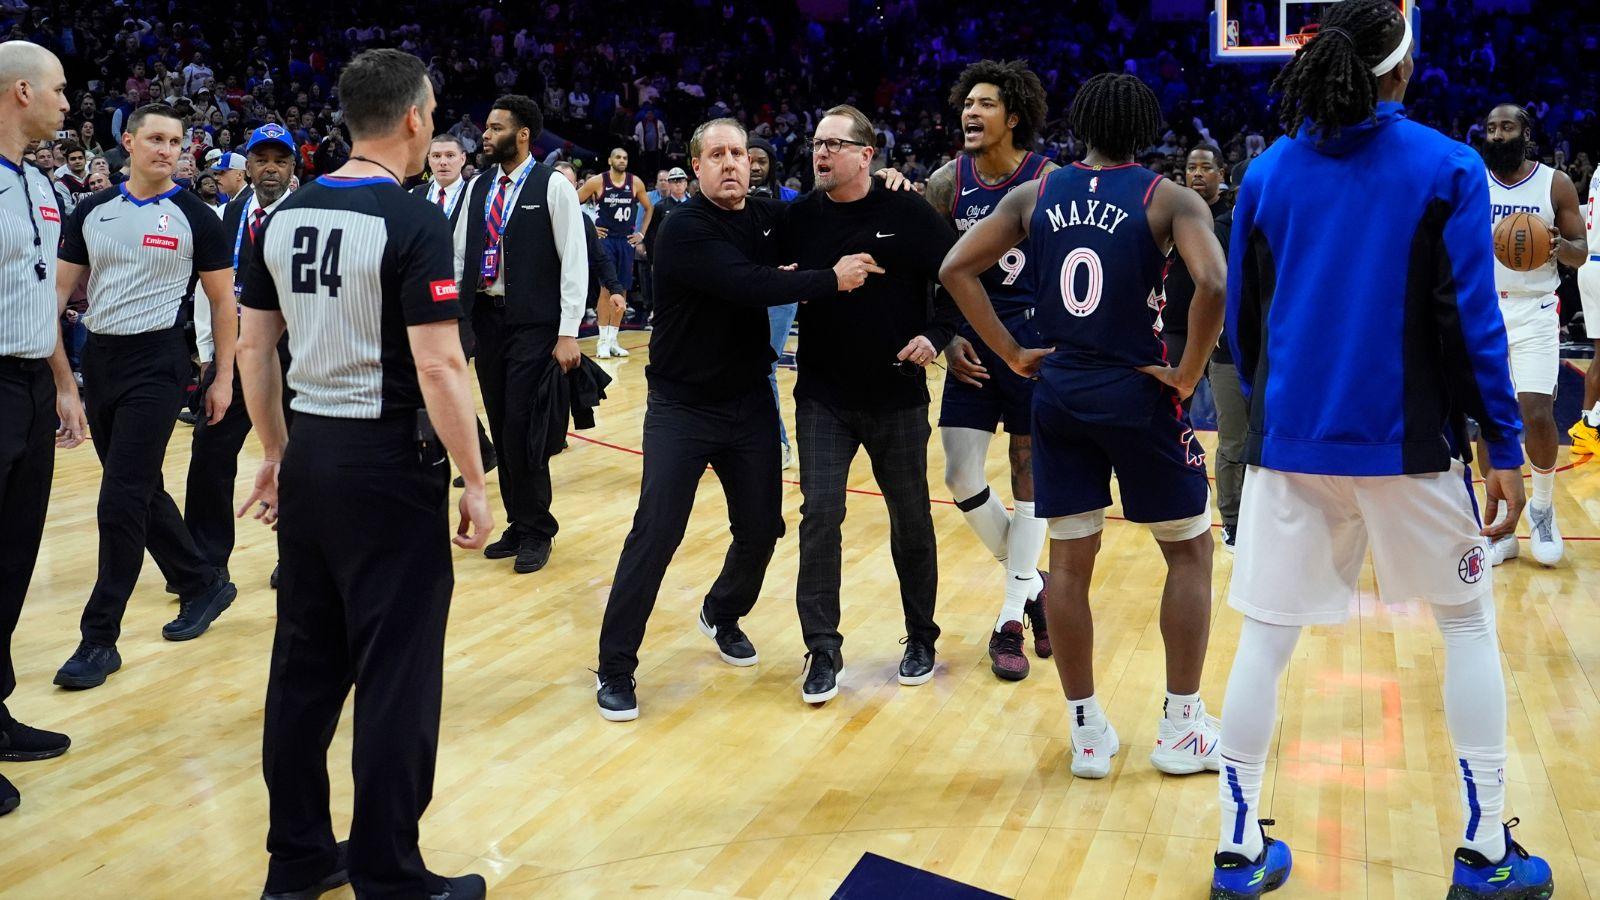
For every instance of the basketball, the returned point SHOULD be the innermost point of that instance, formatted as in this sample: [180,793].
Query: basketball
[1522,242]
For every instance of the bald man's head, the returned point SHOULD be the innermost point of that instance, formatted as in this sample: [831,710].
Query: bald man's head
[33,90]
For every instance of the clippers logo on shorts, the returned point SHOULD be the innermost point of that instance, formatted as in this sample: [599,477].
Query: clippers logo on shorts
[161,241]
[443,291]
[1471,566]
[49,214]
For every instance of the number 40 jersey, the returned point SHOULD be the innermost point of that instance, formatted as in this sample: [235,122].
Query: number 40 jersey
[351,263]
[1099,271]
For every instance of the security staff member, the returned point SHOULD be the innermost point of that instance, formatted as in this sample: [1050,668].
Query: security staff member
[359,273]
[214,455]
[144,243]
[36,386]
[520,250]
[710,403]
[861,386]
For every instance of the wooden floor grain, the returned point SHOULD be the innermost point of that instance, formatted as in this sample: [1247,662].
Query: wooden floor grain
[729,786]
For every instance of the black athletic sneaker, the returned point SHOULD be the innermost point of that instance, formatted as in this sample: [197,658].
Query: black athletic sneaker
[822,676]
[89,666]
[272,580]
[463,887]
[732,643]
[506,547]
[196,613]
[614,694]
[916,667]
[9,797]
[532,555]
[338,878]
[19,743]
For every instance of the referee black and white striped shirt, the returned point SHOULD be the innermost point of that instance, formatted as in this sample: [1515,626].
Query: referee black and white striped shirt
[29,326]
[351,262]
[144,256]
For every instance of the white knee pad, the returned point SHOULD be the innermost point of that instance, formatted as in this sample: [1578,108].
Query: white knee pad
[1082,525]
[1181,529]
[965,452]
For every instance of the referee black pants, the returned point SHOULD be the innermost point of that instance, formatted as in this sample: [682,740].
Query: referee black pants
[27,458]
[364,591]
[511,359]
[896,441]
[134,386]
[734,437]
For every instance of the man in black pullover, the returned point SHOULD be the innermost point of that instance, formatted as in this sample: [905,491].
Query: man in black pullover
[709,403]
[861,385]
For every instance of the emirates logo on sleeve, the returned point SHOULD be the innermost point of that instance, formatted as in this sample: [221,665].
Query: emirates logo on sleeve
[442,291]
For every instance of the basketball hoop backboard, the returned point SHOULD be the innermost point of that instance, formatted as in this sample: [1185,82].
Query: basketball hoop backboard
[1270,31]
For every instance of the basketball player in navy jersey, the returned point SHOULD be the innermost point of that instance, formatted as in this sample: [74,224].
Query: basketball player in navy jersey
[1002,107]
[1107,398]
[618,193]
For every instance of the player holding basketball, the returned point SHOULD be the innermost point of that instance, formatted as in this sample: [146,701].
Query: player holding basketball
[618,193]
[1002,107]
[1099,232]
[1528,303]
[1358,433]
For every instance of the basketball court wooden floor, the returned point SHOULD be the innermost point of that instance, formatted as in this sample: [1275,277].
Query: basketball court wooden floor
[729,786]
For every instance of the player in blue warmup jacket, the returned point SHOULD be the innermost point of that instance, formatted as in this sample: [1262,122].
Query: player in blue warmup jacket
[1362,315]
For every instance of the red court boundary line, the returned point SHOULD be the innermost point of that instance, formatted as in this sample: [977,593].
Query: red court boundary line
[866,493]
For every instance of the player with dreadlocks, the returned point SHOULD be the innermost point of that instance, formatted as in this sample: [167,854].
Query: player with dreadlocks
[1357,432]
[1107,400]
[1002,107]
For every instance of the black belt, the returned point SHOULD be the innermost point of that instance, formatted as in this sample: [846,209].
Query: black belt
[494,302]
[19,364]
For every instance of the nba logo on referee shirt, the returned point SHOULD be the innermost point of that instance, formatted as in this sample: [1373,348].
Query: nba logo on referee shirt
[163,222]
[1471,567]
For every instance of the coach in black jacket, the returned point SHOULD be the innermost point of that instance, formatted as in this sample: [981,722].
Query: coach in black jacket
[709,402]
[521,261]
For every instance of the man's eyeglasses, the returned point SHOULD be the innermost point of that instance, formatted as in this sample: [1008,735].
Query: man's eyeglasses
[833,145]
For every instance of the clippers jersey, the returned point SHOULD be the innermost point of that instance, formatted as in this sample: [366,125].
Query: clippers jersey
[1099,295]
[1530,195]
[1010,282]
[616,204]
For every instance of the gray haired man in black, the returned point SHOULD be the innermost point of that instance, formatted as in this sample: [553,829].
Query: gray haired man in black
[861,386]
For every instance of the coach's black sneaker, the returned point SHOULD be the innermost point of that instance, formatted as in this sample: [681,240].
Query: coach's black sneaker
[916,667]
[9,797]
[823,669]
[732,643]
[462,887]
[19,743]
[532,554]
[91,664]
[614,694]
[196,613]
[222,573]
[506,547]
[338,878]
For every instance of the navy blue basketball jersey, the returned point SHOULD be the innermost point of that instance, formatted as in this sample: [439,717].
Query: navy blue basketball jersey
[616,204]
[1010,282]
[1100,275]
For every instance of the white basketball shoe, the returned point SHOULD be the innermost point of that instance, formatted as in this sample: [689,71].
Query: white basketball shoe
[1187,746]
[1092,749]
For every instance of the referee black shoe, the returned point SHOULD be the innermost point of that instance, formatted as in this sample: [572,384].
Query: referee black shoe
[732,644]
[532,555]
[823,669]
[19,743]
[338,878]
[91,664]
[506,547]
[462,887]
[197,612]
[9,798]
[615,696]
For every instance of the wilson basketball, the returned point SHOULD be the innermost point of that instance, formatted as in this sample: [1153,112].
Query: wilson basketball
[1523,242]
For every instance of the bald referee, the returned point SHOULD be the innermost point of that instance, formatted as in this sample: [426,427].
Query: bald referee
[362,275]
[144,244]
[36,387]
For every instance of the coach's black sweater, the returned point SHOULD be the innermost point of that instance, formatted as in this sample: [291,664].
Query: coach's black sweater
[848,341]
[716,273]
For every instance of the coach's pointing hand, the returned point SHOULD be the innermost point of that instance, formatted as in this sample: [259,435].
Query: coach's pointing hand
[852,270]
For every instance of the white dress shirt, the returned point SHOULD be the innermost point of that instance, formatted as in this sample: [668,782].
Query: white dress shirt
[452,195]
[203,341]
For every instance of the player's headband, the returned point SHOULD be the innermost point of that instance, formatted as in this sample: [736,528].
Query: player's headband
[1398,53]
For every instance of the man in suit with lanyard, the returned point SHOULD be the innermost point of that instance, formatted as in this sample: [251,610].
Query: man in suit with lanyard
[214,455]
[520,256]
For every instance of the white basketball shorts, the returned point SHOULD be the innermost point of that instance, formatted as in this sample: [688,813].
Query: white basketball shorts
[1303,538]
[1589,293]
[1533,329]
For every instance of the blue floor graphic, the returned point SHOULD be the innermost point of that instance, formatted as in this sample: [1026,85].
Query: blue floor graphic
[878,878]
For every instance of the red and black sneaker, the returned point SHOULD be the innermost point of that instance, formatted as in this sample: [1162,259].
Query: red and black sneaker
[1005,653]
[1034,611]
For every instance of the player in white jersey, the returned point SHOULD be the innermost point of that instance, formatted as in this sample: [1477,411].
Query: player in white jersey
[1586,431]
[1532,314]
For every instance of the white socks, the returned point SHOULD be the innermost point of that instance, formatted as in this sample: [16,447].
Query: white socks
[1086,713]
[1544,487]
[1182,707]
[1249,711]
[1024,543]
[608,335]
[1475,708]
[1591,417]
